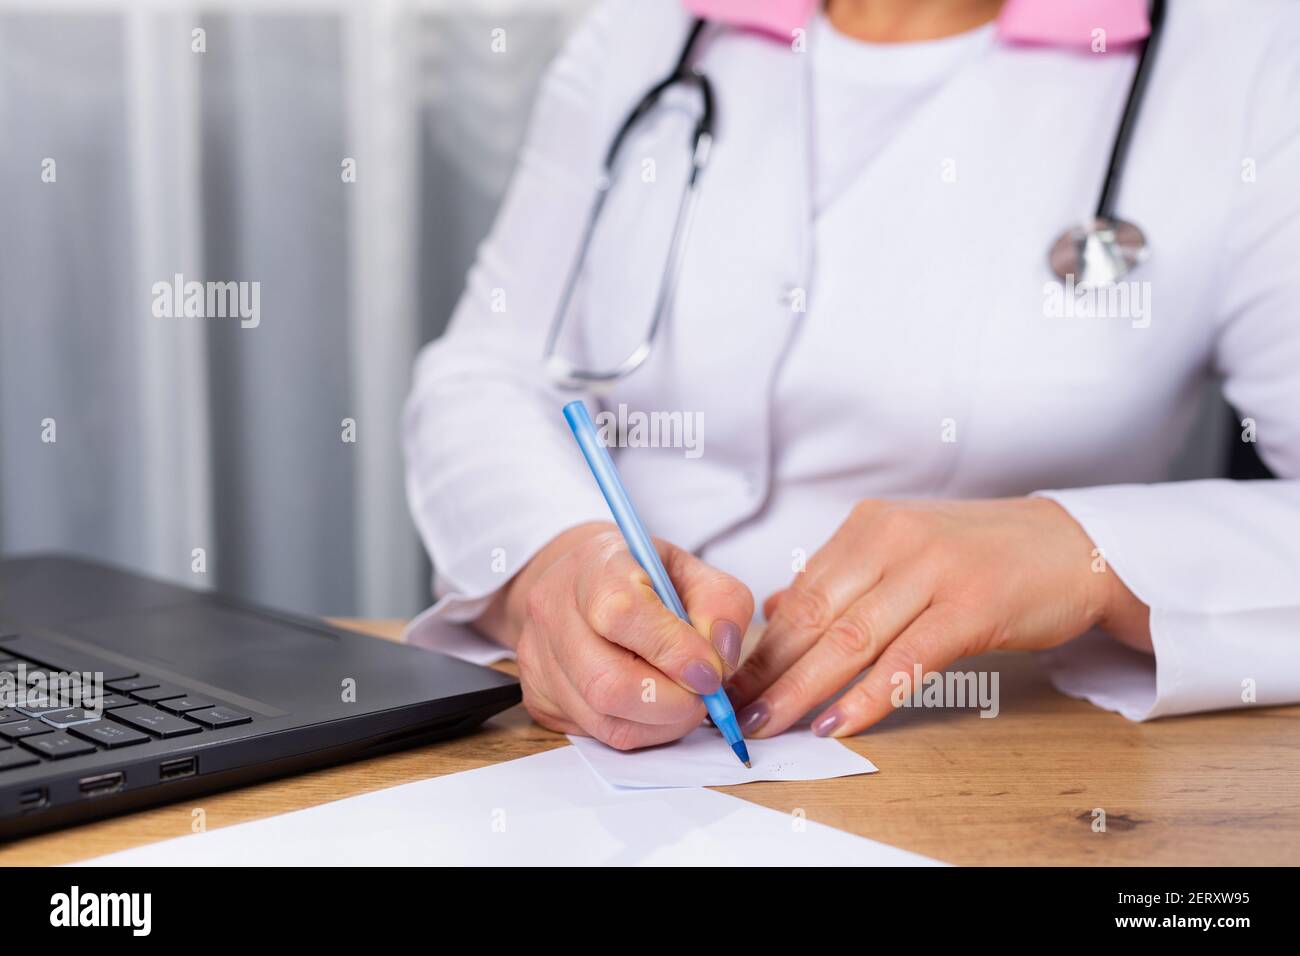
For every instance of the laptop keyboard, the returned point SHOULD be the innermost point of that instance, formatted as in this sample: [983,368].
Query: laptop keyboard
[134,709]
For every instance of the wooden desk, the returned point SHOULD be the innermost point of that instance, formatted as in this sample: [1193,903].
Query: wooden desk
[1018,789]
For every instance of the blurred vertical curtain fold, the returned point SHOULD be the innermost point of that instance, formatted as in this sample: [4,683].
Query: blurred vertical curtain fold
[173,434]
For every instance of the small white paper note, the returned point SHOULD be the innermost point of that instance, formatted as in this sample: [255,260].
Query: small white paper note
[544,810]
[703,759]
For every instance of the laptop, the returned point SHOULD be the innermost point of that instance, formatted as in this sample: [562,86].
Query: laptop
[119,691]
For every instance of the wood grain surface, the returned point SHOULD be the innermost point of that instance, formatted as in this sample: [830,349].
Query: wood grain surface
[1018,789]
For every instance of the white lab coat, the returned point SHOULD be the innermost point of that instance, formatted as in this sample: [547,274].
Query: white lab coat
[925,284]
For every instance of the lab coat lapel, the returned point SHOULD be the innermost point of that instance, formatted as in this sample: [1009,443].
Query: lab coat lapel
[932,267]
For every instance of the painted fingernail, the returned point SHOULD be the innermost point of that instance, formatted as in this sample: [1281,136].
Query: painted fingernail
[726,638]
[701,678]
[826,723]
[754,716]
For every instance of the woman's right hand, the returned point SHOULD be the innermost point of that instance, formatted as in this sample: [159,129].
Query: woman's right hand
[598,652]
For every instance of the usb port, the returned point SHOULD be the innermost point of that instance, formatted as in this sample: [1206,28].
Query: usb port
[30,800]
[179,767]
[103,784]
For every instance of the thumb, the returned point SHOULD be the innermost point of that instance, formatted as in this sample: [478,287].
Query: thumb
[720,607]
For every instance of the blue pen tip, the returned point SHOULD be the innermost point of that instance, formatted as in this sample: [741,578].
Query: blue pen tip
[742,752]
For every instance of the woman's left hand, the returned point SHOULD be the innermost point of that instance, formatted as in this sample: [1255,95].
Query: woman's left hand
[924,582]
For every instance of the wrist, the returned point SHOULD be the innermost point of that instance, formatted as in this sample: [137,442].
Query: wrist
[1125,617]
[1110,605]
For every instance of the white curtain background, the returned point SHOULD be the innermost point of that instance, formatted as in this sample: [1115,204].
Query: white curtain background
[181,433]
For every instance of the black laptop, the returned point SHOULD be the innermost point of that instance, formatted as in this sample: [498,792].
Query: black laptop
[119,691]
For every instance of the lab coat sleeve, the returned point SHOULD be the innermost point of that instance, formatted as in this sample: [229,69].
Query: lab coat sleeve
[492,473]
[1218,562]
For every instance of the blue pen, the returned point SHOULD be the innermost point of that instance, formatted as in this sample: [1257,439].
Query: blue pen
[643,549]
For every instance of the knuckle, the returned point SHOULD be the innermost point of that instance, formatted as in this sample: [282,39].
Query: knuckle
[852,635]
[898,523]
[855,701]
[806,608]
[600,689]
[535,711]
[668,642]
[612,609]
[602,548]
[794,686]
[596,543]
[540,711]
[900,657]
[982,639]
[620,734]
[932,646]
[731,593]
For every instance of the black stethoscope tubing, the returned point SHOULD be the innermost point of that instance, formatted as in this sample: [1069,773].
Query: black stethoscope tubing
[1128,119]
[1096,251]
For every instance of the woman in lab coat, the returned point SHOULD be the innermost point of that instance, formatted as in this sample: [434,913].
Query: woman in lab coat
[912,441]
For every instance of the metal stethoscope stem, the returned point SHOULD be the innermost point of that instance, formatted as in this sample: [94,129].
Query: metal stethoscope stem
[1102,250]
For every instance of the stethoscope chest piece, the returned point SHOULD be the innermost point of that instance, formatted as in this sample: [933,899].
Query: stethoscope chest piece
[1098,251]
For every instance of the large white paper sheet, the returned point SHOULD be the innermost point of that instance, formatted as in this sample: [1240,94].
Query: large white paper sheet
[548,809]
[703,759]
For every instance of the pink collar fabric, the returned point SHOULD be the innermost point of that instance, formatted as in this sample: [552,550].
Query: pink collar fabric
[1065,23]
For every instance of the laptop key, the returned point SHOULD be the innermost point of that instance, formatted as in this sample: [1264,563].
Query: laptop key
[108,734]
[14,758]
[133,684]
[147,719]
[43,698]
[163,691]
[24,728]
[107,702]
[43,707]
[219,717]
[179,705]
[69,716]
[8,714]
[58,745]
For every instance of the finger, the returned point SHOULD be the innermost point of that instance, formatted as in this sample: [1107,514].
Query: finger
[621,606]
[535,677]
[618,732]
[844,569]
[850,644]
[613,681]
[807,608]
[719,605]
[773,599]
[547,713]
[933,641]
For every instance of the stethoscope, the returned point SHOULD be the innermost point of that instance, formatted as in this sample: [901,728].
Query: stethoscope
[1098,251]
